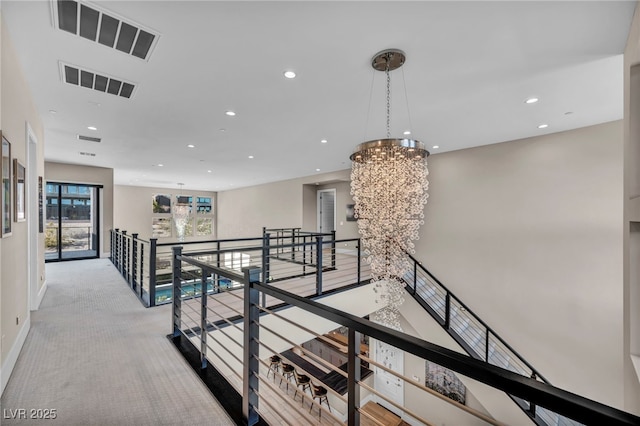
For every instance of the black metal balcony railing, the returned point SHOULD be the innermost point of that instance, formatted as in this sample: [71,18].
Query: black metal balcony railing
[235,353]
[307,265]
[281,253]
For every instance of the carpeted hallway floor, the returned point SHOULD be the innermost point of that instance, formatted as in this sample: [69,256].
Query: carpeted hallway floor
[98,357]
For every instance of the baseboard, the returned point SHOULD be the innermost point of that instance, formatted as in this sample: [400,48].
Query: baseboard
[12,356]
[41,293]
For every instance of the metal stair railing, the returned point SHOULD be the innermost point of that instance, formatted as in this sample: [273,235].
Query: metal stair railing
[475,336]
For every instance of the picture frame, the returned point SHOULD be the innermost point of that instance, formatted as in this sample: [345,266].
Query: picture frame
[5,188]
[351,213]
[161,203]
[20,191]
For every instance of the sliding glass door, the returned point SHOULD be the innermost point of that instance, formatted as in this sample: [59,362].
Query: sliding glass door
[72,221]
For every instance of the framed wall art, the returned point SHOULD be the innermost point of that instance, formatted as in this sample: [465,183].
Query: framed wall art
[161,203]
[20,191]
[5,190]
[40,206]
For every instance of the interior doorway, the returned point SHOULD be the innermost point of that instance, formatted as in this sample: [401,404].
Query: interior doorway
[326,210]
[72,221]
[33,218]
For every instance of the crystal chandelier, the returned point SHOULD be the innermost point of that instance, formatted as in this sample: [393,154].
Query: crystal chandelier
[389,187]
[181,214]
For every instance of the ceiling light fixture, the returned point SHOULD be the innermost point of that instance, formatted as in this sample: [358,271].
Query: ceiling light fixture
[191,146]
[531,101]
[323,141]
[230,113]
[53,111]
[543,126]
[251,156]
[92,128]
[407,132]
[290,74]
[317,170]
[160,165]
[389,186]
[436,146]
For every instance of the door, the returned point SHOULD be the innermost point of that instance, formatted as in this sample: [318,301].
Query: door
[326,210]
[72,221]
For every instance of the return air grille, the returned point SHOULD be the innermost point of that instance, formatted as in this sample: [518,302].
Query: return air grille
[89,138]
[87,154]
[96,25]
[92,80]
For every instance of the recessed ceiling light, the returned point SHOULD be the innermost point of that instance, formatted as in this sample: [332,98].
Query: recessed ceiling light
[251,156]
[208,171]
[53,111]
[230,113]
[92,128]
[436,146]
[543,126]
[223,130]
[407,132]
[323,141]
[317,170]
[531,101]
[191,146]
[290,74]
[160,165]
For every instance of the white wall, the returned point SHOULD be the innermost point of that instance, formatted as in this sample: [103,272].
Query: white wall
[528,234]
[631,222]
[17,109]
[244,212]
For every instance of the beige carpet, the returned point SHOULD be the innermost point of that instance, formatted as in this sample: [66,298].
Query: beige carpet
[98,357]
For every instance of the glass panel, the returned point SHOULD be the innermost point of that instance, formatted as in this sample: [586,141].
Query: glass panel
[79,233]
[51,224]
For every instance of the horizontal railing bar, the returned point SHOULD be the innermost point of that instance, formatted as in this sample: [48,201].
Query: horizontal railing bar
[437,281]
[395,404]
[216,270]
[545,395]
[446,399]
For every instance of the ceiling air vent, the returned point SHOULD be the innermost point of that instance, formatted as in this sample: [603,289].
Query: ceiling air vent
[89,138]
[87,154]
[93,80]
[105,28]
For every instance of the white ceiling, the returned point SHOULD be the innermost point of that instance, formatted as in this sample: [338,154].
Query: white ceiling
[470,66]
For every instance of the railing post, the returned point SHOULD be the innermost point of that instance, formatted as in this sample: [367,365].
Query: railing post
[266,265]
[134,260]
[141,286]
[118,251]
[333,249]
[125,255]
[415,277]
[293,244]
[447,310]
[111,245]
[304,255]
[177,290]
[359,260]
[203,321]
[486,345]
[153,251]
[532,406]
[319,265]
[353,377]
[251,348]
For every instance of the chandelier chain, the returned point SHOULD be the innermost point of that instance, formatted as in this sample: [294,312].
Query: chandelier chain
[388,101]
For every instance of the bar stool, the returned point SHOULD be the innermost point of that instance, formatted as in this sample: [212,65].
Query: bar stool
[302,380]
[287,372]
[274,366]
[319,392]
